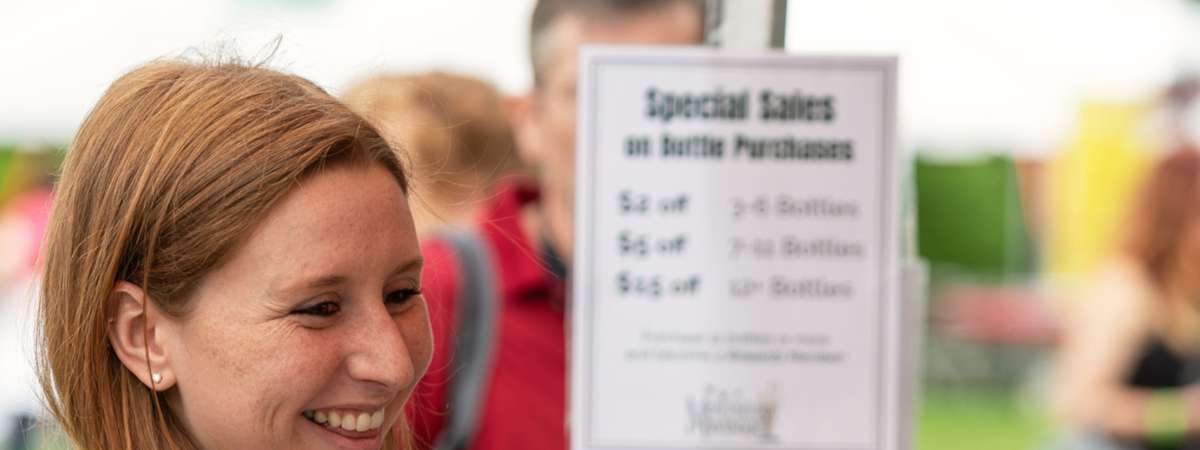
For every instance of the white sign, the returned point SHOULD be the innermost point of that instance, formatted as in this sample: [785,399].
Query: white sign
[736,273]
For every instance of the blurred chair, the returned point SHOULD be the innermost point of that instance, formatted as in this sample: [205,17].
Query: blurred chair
[970,220]
[987,325]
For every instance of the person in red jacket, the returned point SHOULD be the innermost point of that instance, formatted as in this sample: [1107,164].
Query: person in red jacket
[525,238]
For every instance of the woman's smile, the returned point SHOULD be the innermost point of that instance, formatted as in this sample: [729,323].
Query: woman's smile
[350,428]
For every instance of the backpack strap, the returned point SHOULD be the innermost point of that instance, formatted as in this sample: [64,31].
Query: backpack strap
[474,338]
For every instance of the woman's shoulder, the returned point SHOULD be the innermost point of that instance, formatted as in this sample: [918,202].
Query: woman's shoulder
[1122,278]
[1118,291]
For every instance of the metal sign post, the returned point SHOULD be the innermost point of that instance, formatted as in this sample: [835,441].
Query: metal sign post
[745,24]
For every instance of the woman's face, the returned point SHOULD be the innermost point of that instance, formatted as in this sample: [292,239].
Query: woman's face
[314,333]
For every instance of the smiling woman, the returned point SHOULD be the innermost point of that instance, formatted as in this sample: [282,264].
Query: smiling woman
[231,264]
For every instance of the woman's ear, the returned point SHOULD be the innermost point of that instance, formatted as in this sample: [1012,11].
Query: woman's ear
[137,337]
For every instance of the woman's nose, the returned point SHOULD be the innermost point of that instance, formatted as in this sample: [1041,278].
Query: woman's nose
[378,352]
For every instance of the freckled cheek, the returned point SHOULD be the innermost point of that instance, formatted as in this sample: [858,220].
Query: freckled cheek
[304,363]
[265,373]
[418,337]
[317,353]
[300,367]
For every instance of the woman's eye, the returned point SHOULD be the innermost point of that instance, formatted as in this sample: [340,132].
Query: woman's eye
[401,296]
[323,309]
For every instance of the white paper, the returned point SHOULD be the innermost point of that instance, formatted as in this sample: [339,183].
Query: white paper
[735,278]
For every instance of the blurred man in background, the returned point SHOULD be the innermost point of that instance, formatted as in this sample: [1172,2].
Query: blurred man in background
[497,294]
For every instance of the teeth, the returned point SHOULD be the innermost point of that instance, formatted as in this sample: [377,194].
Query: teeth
[347,420]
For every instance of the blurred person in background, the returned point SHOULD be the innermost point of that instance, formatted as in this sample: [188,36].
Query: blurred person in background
[1130,355]
[1179,112]
[456,132]
[22,225]
[230,264]
[497,293]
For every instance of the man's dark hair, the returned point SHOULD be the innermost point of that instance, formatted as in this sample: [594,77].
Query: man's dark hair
[546,12]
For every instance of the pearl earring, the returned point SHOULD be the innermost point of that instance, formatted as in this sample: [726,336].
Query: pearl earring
[156,378]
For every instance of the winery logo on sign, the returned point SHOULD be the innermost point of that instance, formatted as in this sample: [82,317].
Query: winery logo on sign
[727,412]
